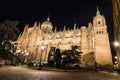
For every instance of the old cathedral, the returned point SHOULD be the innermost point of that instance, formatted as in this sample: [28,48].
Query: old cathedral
[39,38]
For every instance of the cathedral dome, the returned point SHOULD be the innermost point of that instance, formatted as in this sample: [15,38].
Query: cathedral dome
[46,26]
[83,27]
[47,23]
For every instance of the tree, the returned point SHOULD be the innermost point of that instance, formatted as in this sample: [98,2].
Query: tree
[8,30]
[58,58]
[71,57]
[8,33]
[7,51]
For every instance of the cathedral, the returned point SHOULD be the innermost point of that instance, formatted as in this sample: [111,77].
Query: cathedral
[40,38]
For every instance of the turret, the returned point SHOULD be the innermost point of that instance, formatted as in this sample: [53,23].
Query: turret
[75,29]
[64,30]
[35,24]
[55,32]
[84,40]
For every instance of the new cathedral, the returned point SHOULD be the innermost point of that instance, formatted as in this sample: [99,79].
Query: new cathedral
[40,38]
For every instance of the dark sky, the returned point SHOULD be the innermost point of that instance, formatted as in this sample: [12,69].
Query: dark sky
[61,12]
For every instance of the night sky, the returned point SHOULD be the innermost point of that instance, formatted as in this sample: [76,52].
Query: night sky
[61,12]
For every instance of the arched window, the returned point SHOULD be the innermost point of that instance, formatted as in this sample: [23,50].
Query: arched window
[98,22]
[97,32]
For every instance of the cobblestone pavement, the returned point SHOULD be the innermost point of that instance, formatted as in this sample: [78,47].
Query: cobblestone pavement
[22,73]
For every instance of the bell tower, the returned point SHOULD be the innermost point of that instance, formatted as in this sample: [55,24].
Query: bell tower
[102,45]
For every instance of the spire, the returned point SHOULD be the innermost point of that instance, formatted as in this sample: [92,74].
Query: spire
[39,24]
[68,30]
[74,29]
[48,19]
[26,26]
[35,24]
[55,30]
[98,12]
[64,28]
[25,29]
[97,8]
[89,25]
[74,26]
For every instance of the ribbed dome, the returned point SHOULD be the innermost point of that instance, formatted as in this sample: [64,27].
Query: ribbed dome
[83,27]
[46,26]
[47,23]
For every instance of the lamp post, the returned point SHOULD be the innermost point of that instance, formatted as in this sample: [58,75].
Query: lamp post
[26,55]
[117,47]
[40,63]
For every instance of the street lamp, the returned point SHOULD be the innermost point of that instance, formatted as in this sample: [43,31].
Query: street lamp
[40,63]
[26,54]
[117,43]
[117,57]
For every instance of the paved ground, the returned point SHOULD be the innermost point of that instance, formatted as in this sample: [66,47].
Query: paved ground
[22,73]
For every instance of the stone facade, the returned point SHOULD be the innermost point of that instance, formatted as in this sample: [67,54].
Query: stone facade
[93,38]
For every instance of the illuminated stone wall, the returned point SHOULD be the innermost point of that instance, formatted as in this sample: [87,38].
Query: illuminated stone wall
[93,38]
[88,60]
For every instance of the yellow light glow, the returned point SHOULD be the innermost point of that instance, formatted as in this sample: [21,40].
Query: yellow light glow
[115,57]
[42,47]
[116,43]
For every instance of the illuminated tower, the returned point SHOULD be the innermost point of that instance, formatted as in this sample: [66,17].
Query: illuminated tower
[102,45]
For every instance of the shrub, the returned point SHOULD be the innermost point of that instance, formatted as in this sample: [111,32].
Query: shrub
[29,64]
